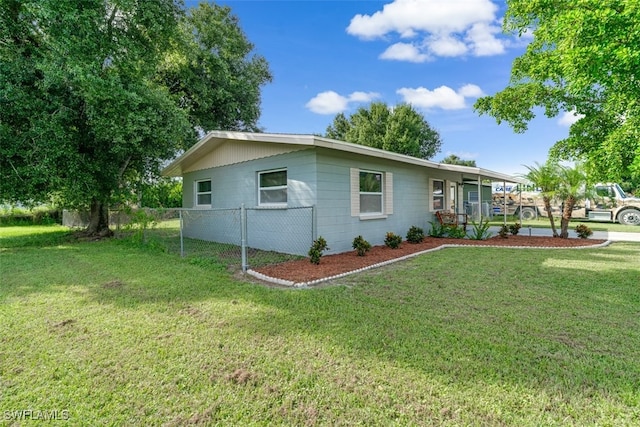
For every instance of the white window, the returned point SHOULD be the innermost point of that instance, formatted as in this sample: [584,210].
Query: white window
[272,188]
[371,193]
[437,195]
[203,193]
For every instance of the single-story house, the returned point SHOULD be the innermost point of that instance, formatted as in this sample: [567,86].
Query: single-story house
[354,189]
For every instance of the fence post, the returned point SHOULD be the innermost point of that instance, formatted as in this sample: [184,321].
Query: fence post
[243,237]
[314,223]
[181,237]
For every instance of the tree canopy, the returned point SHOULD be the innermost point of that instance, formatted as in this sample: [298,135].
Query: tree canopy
[583,59]
[96,94]
[400,129]
[452,159]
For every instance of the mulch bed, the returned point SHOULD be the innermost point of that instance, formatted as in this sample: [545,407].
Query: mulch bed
[302,271]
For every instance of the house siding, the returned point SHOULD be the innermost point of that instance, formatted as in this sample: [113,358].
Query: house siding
[320,177]
[269,228]
[335,221]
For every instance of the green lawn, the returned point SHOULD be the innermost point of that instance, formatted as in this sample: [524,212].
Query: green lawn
[108,333]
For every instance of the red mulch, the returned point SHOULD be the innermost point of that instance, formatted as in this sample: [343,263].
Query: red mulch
[302,271]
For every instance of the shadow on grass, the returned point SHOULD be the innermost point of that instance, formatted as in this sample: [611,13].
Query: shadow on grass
[546,320]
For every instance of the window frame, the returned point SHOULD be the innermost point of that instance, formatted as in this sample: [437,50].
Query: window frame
[273,188]
[381,193]
[200,193]
[442,197]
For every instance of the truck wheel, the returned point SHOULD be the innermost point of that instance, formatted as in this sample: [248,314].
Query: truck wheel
[629,217]
[528,213]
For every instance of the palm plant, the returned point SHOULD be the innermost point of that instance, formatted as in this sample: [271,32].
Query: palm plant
[571,190]
[547,178]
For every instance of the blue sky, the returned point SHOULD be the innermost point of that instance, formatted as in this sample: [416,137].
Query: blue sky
[329,57]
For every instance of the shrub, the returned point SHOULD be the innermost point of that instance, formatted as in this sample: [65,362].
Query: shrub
[415,234]
[480,231]
[456,232]
[515,228]
[583,231]
[317,247]
[392,240]
[504,232]
[361,246]
[436,230]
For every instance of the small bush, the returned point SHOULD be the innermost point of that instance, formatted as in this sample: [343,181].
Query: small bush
[437,230]
[583,231]
[504,232]
[361,246]
[415,234]
[456,232]
[480,231]
[514,229]
[392,240]
[317,247]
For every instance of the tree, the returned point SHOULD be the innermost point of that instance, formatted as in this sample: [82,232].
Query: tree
[452,159]
[400,129]
[211,71]
[547,178]
[87,100]
[582,59]
[571,189]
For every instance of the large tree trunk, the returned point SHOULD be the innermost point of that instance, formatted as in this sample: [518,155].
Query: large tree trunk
[547,207]
[567,210]
[99,219]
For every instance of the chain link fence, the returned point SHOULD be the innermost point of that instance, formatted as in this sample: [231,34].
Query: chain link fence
[237,238]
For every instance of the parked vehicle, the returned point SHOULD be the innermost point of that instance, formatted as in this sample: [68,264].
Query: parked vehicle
[606,202]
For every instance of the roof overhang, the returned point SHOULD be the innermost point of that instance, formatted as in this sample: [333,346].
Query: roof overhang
[215,138]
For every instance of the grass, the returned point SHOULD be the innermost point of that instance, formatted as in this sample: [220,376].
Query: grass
[119,335]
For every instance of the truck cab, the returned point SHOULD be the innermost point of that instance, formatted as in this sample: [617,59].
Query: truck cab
[608,202]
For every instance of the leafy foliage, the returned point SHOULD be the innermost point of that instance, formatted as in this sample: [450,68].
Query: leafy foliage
[392,240]
[88,104]
[163,193]
[480,231]
[514,229]
[317,247]
[547,178]
[582,60]
[437,229]
[583,231]
[400,129]
[361,246]
[415,234]
[452,159]
[504,231]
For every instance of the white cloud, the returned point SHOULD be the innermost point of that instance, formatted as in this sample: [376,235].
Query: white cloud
[446,45]
[331,102]
[569,118]
[363,96]
[404,52]
[482,39]
[443,27]
[442,97]
[470,91]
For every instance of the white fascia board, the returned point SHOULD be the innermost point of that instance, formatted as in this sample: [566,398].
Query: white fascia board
[214,138]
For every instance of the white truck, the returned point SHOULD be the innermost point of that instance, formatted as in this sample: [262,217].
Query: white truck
[607,202]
